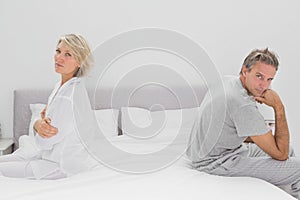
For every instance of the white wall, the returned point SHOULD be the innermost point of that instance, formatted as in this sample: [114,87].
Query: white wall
[227,30]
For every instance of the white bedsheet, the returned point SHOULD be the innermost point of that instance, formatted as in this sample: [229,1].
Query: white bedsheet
[177,181]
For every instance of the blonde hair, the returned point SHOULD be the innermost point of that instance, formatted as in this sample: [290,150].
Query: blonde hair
[261,55]
[81,50]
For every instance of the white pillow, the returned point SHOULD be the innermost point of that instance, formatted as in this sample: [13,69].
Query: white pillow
[151,131]
[139,122]
[107,119]
[36,110]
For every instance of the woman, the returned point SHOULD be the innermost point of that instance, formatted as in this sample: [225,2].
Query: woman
[57,150]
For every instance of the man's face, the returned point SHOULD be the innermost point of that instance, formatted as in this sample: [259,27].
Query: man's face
[259,78]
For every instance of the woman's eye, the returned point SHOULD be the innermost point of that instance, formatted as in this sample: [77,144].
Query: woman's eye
[57,51]
[68,54]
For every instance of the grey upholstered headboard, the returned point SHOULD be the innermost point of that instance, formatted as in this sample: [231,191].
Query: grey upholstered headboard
[153,97]
[22,114]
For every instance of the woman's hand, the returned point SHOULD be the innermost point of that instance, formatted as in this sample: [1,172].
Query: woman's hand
[44,128]
[43,113]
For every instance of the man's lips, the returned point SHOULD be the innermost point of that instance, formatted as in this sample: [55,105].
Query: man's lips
[260,91]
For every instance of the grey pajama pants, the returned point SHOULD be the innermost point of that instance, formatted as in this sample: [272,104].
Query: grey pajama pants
[256,163]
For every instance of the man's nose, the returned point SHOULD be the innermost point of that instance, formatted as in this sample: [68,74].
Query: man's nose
[264,84]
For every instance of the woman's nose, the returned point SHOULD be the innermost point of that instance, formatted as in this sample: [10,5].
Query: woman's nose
[58,57]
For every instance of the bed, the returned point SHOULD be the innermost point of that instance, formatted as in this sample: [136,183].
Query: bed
[175,180]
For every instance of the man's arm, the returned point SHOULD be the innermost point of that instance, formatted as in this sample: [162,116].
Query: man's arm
[276,146]
[248,140]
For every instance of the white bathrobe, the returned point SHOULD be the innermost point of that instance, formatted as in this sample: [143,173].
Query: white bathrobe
[65,153]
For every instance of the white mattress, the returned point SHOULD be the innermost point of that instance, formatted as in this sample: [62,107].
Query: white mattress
[177,181]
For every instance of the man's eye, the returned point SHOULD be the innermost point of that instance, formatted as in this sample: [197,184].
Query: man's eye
[259,76]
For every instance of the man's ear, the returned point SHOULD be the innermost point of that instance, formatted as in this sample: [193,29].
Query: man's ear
[244,70]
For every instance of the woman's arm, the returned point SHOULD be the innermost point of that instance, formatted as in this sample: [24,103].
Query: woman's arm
[43,113]
[44,128]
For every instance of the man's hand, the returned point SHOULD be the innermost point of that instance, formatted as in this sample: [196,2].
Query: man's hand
[44,128]
[270,98]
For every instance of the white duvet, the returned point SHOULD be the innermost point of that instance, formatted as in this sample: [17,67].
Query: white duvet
[176,181]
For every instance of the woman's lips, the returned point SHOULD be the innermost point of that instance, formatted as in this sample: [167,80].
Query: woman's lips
[58,65]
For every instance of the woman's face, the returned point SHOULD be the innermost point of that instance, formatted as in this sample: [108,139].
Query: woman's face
[65,61]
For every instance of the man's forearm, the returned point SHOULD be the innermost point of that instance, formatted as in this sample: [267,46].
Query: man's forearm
[282,136]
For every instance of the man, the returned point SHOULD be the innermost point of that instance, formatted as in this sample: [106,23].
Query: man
[230,137]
